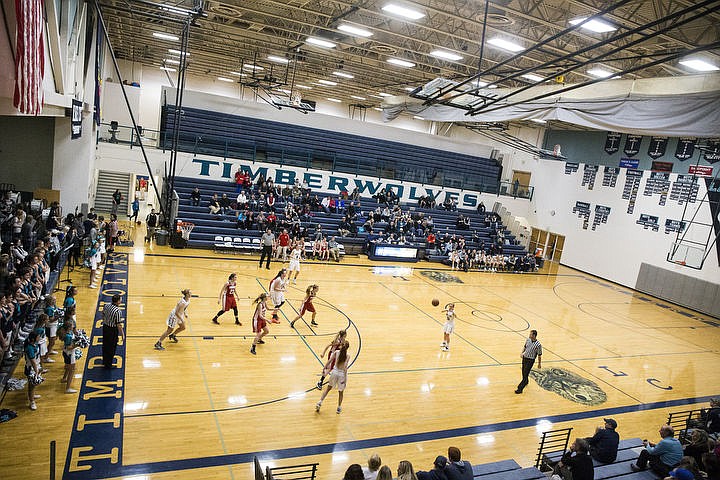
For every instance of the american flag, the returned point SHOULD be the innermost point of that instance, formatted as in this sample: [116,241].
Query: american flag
[30,58]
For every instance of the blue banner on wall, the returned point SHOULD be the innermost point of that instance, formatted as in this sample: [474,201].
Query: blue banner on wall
[629,163]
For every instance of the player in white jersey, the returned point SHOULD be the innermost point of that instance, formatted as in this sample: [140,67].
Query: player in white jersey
[177,317]
[448,327]
[278,286]
[295,257]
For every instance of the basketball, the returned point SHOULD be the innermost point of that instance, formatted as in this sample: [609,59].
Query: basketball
[435,302]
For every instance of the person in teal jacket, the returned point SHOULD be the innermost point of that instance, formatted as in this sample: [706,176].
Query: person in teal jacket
[663,456]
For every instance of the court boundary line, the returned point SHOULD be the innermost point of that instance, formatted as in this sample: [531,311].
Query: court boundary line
[371,443]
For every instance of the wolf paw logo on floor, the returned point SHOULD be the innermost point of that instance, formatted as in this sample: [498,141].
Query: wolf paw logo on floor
[440,276]
[569,385]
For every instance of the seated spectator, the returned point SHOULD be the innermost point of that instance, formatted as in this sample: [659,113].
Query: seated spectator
[457,469]
[241,201]
[194,198]
[334,249]
[711,463]
[270,202]
[604,444]
[224,204]
[438,471]
[481,208]
[344,227]
[355,195]
[354,472]
[575,467]
[662,456]
[371,471]
[405,471]
[214,206]
[687,469]
[699,444]
[712,417]
[241,218]
[325,204]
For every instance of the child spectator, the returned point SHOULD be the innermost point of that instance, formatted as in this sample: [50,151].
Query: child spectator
[32,368]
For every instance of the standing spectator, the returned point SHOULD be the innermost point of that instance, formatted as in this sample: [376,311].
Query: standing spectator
[712,416]
[516,187]
[17,223]
[151,222]
[604,444]
[457,469]
[195,197]
[112,233]
[116,199]
[531,351]
[283,244]
[239,180]
[32,367]
[135,210]
[112,330]
[266,242]
[662,456]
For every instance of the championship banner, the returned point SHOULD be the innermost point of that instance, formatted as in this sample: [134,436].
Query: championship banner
[685,148]
[657,147]
[712,150]
[701,170]
[612,143]
[662,166]
[632,145]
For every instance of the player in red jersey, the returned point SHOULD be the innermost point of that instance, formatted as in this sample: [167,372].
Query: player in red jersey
[259,321]
[331,348]
[307,305]
[227,299]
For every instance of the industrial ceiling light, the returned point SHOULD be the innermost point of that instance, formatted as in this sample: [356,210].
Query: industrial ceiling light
[446,55]
[358,32]
[601,72]
[334,100]
[178,52]
[253,67]
[343,74]
[400,62]
[276,59]
[171,60]
[532,77]
[357,97]
[327,82]
[305,87]
[402,11]
[165,36]
[698,65]
[225,79]
[168,69]
[505,44]
[320,42]
[594,25]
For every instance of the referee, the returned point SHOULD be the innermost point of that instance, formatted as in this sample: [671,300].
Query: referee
[531,351]
[112,330]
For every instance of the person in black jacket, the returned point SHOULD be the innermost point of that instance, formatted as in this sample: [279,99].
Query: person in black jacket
[438,471]
[604,444]
[458,469]
[578,466]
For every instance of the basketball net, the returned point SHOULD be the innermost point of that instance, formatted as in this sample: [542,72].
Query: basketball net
[185,230]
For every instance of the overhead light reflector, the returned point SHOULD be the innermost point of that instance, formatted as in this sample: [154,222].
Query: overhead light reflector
[334,100]
[506,44]
[357,97]
[594,25]
[171,60]
[239,73]
[276,59]
[253,67]
[327,82]
[303,87]
[600,72]
[446,55]
[178,52]
[354,30]
[401,63]
[699,65]
[532,77]
[383,94]
[343,74]
[402,11]
[166,36]
[225,79]
[168,69]
[320,42]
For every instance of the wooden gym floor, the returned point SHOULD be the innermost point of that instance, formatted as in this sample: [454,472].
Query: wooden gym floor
[204,406]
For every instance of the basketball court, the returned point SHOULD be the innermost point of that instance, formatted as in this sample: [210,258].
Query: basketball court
[204,406]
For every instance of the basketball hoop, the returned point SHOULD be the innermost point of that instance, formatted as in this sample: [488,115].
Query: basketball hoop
[185,229]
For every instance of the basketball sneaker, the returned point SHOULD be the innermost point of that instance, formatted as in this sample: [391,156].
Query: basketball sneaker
[214,320]
[158,346]
[339,409]
[317,406]
[238,322]
[173,338]
[313,323]
[319,385]
[252,350]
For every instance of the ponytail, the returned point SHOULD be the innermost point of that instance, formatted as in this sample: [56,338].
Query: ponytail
[185,292]
[260,298]
[342,356]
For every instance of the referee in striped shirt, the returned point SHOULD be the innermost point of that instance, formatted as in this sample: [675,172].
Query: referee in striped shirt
[112,330]
[531,351]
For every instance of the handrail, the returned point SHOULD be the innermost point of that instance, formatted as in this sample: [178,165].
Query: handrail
[551,441]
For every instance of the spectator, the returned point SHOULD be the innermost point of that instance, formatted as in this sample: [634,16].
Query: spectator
[195,197]
[214,204]
[224,203]
[239,180]
[458,469]
[135,210]
[371,471]
[344,227]
[17,222]
[699,444]
[334,249]
[405,471]
[481,208]
[354,472]
[91,215]
[438,471]
[112,233]
[604,444]
[712,417]
[662,456]
[575,467]
[116,199]
[384,473]
[283,244]
[687,469]
[151,222]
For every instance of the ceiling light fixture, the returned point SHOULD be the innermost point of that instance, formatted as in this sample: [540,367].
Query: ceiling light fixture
[505,44]
[403,11]
[320,42]
[446,55]
[327,82]
[253,67]
[178,52]
[276,59]
[417,117]
[239,73]
[343,74]
[409,89]
[600,72]
[225,79]
[378,109]
[401,63]
[594,25]
[168,69]
[532,77]
[383,94]
[166,36]
[303,86]
[357,97]
[171,60]
[334,100]
[354,30]
[538,120]
[698,65]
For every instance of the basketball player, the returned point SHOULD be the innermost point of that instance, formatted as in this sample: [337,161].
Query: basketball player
[448,327]
[338,376]
[227,299]
[177,317]
[332,347]
[295,257]
[259,322]
[307,305]
[278,285]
